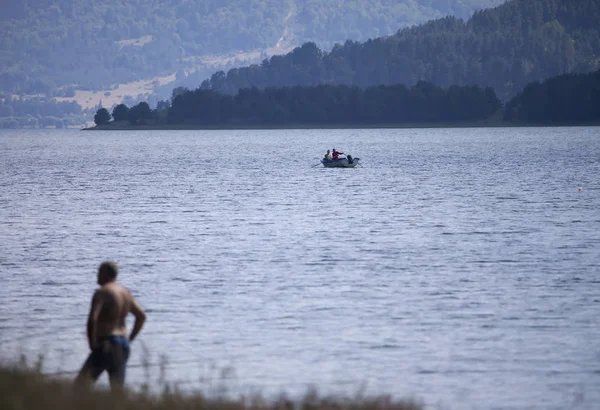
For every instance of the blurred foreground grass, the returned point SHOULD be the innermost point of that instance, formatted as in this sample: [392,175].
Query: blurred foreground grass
[23,389]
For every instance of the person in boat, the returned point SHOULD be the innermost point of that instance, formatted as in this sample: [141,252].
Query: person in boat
[336,154]
[327,155]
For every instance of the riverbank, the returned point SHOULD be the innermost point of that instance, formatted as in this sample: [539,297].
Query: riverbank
[29,390]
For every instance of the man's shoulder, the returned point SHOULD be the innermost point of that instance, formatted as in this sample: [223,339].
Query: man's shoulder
[120,288]
[114,288]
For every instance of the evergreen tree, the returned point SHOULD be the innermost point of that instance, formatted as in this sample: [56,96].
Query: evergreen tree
[139,113]
[102,117]
[120,113]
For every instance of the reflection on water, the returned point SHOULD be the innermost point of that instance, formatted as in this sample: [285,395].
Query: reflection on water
[460,266]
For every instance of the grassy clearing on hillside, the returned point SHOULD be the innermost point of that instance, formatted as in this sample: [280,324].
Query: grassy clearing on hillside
[91,99]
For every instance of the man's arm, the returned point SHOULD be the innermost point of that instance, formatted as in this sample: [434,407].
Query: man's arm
[97,303]
[140,317]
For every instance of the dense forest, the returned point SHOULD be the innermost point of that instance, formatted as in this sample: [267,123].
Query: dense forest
[566,99]
[503,48]
[49,44]
[323,105]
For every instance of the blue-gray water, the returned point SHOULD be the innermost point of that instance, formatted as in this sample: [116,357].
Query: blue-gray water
[457,266]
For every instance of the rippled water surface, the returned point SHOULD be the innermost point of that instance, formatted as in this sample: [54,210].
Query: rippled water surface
[457,266]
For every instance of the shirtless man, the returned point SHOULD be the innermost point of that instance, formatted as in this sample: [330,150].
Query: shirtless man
[107,331]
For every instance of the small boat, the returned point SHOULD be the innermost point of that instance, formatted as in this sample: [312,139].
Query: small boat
[347,162]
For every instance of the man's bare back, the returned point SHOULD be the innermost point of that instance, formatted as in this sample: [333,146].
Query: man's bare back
[116,304]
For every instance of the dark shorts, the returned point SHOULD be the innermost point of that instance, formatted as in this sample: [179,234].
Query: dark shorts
[110,354]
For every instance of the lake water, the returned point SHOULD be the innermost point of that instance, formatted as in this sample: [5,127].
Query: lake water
[460,267]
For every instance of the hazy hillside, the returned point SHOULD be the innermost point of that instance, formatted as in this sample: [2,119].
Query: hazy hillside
[505,48]
[339,20]
[49,44]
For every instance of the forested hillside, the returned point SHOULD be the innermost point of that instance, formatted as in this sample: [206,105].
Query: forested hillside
[503,48]
[332,21]
[568,99]
[49,44]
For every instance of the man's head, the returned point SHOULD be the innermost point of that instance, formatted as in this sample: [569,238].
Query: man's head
[107,272]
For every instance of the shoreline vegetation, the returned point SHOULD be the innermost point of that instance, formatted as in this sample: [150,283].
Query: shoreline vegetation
[226,127]
[24,389]
[565,100]
[123,126]
[319,106]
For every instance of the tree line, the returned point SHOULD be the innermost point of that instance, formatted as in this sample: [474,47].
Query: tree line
[568,99]
[565,99]
[320,106]
[504,48]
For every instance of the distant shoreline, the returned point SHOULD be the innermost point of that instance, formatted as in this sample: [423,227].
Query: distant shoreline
[226,127]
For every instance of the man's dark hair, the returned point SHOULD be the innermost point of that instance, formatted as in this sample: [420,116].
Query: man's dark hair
[110,269]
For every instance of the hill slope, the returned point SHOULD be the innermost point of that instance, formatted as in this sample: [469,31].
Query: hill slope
[505,48]
[48,44]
